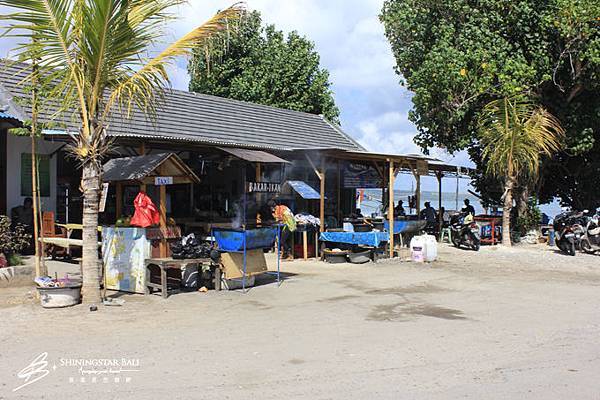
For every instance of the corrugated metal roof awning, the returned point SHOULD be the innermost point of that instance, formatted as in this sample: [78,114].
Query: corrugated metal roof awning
[11,121]
[304,190]
[253,155]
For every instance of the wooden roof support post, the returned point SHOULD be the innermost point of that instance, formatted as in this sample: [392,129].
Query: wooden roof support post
[339,191]
[321,175]
[384,183]
[163,219]
[258,175]
[391,207]
[142,151]
[119,201]
[439,175]
[417,176]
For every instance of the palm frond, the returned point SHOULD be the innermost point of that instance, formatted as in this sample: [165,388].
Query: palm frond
[95,55]
[516,133]
[142,87]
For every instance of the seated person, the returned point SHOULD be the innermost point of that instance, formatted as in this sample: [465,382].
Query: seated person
[357,214]
[468,208]
[444,216]
[428,213]
[399,209]
[23,215]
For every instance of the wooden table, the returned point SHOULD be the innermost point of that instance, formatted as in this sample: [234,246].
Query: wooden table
[61,242]
[165,264]
[305,230]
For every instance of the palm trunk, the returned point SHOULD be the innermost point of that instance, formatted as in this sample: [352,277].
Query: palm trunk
[506,211]
[90,183]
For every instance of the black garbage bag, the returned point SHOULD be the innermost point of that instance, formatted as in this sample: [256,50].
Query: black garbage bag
[190,247]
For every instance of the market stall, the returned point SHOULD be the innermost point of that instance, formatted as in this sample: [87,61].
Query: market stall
[126,248]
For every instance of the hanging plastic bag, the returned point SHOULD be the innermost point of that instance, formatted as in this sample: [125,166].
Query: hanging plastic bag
[146,213]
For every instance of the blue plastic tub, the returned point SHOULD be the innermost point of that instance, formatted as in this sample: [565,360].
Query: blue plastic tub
[233,239]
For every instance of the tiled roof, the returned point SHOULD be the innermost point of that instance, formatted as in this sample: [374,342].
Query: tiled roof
[191,117]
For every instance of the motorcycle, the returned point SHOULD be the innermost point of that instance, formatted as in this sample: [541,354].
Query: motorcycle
[465,231]
[569,229]
[590,241]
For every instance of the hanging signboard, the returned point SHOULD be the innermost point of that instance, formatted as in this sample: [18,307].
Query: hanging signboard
[263,187]
[361,176]
[103,196]
[163,180]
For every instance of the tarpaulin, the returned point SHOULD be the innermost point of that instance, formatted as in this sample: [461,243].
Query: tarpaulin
[361,238]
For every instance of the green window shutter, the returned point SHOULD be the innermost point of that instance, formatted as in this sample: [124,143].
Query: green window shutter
[43,165]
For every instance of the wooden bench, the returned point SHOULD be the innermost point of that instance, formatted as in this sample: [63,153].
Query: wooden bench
[164,264]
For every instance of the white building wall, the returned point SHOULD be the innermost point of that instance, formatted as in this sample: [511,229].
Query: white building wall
[16,145]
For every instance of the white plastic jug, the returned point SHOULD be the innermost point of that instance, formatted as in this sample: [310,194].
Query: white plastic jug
[430,248]
[417,249]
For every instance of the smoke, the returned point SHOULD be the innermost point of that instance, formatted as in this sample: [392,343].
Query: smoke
[238,215]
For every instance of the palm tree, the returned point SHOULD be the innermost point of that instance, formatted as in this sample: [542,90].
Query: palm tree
[516,133]
[96,52]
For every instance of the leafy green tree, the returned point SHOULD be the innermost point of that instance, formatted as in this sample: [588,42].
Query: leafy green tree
[95,54]
[260,64]
[459,55]
[515,133]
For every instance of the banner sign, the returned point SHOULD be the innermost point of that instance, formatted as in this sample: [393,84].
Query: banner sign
[263,187]
[103,197]
[361,176]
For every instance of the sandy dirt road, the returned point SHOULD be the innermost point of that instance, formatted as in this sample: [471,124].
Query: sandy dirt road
[498,324]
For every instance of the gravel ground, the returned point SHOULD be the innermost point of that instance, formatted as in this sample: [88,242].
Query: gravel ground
[519,323]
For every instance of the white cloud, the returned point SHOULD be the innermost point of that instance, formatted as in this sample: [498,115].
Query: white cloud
[352,45]
[390,132]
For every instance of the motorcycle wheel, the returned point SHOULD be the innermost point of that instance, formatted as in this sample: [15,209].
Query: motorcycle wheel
[586,247]
[455,241]
[475,244]
[571,248]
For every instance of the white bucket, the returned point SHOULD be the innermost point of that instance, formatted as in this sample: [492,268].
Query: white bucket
[430,248]
[56,297]
[417,249]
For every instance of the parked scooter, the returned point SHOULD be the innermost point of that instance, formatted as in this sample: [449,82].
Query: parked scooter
[569,229]
[465,231]
[590,241]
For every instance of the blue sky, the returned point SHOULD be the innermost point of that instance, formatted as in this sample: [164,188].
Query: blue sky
[349,37]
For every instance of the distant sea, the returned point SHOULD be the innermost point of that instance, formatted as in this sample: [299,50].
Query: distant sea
[450,201]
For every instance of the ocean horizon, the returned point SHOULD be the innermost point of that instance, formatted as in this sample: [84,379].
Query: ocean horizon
[450,201]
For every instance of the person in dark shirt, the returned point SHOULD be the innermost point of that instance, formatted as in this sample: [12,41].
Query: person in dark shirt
[357,214]
[428,213]
[468,208]
[265,213]
[399,209]
[24,214]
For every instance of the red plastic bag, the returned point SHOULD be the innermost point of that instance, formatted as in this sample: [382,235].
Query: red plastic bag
[146,213]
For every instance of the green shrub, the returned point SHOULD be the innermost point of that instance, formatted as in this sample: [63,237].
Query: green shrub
[530,219]
[12,239]
[14,259]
